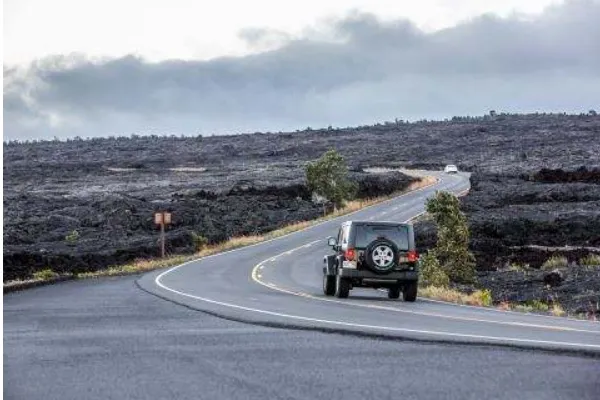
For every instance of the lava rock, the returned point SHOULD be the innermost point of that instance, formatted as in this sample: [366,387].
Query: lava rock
[553,278]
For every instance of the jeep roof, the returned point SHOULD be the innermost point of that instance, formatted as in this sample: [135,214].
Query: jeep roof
[387,223]
[407,242]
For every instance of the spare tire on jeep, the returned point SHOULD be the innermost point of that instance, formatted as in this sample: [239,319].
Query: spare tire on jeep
[381,256]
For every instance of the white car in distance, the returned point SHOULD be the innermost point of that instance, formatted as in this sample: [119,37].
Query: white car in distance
[451,169]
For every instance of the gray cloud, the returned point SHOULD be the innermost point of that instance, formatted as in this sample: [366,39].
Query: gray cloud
[367,70]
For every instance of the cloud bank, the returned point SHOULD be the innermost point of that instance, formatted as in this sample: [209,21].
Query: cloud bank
[360,70]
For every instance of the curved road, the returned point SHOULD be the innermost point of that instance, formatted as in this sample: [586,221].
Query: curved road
[279,283]
[106,339]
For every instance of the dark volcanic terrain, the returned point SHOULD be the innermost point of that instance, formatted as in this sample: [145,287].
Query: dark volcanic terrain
[535,189]
[55,189]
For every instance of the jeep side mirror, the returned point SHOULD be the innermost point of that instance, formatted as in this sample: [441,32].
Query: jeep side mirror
[332,242]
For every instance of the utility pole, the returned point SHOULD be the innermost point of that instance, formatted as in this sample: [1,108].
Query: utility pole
[162,218]
[162,240]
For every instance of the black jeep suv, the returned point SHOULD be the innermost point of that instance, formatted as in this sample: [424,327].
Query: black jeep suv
[372,254]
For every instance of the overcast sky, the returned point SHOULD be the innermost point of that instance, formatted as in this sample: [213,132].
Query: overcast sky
[186,67]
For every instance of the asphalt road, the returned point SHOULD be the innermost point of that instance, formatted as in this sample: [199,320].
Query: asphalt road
[107,339]
[279,283]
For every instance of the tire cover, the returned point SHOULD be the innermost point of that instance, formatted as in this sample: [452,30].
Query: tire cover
[381,256]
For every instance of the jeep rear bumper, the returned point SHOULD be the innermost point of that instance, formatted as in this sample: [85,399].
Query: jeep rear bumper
[369,275]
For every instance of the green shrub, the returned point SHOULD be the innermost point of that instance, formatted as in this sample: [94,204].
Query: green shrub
[518,267]
[590,260]
[555,262]
[452,248]
[529,306]
[522,308]
[328,176]
[72,237]
[431,272]
[45,275]
[538,305]
[483,297]
[199,241]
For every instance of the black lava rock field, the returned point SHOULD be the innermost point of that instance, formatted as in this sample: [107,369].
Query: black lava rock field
[83,213]
[535,190]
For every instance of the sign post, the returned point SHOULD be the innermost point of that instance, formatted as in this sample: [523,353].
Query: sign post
[162,218]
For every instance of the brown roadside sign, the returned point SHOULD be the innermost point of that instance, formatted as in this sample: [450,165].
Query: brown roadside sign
[158,218]
[167,218]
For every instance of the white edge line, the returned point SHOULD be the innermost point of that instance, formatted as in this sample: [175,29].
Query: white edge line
[376,327]
[256,277]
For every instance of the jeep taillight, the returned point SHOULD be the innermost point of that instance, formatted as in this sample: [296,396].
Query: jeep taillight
[412,256]
[350,254]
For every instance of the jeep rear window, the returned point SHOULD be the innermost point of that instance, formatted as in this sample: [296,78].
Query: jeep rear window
[365,234]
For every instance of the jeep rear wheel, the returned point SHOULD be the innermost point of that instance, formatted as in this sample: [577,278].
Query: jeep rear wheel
[342,287]
[328,285]
[409,293]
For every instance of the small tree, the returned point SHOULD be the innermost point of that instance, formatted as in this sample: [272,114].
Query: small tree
[199,241]
[452,249]
[431,272]
[328,177]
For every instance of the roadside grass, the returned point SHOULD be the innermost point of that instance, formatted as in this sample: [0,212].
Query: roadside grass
[145,265]
[591,260]
[40,277]
[518,267]
[526,307]
[555,262]
[539,305]
[557,310]
[137,266]
[482,298]
[45,274]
